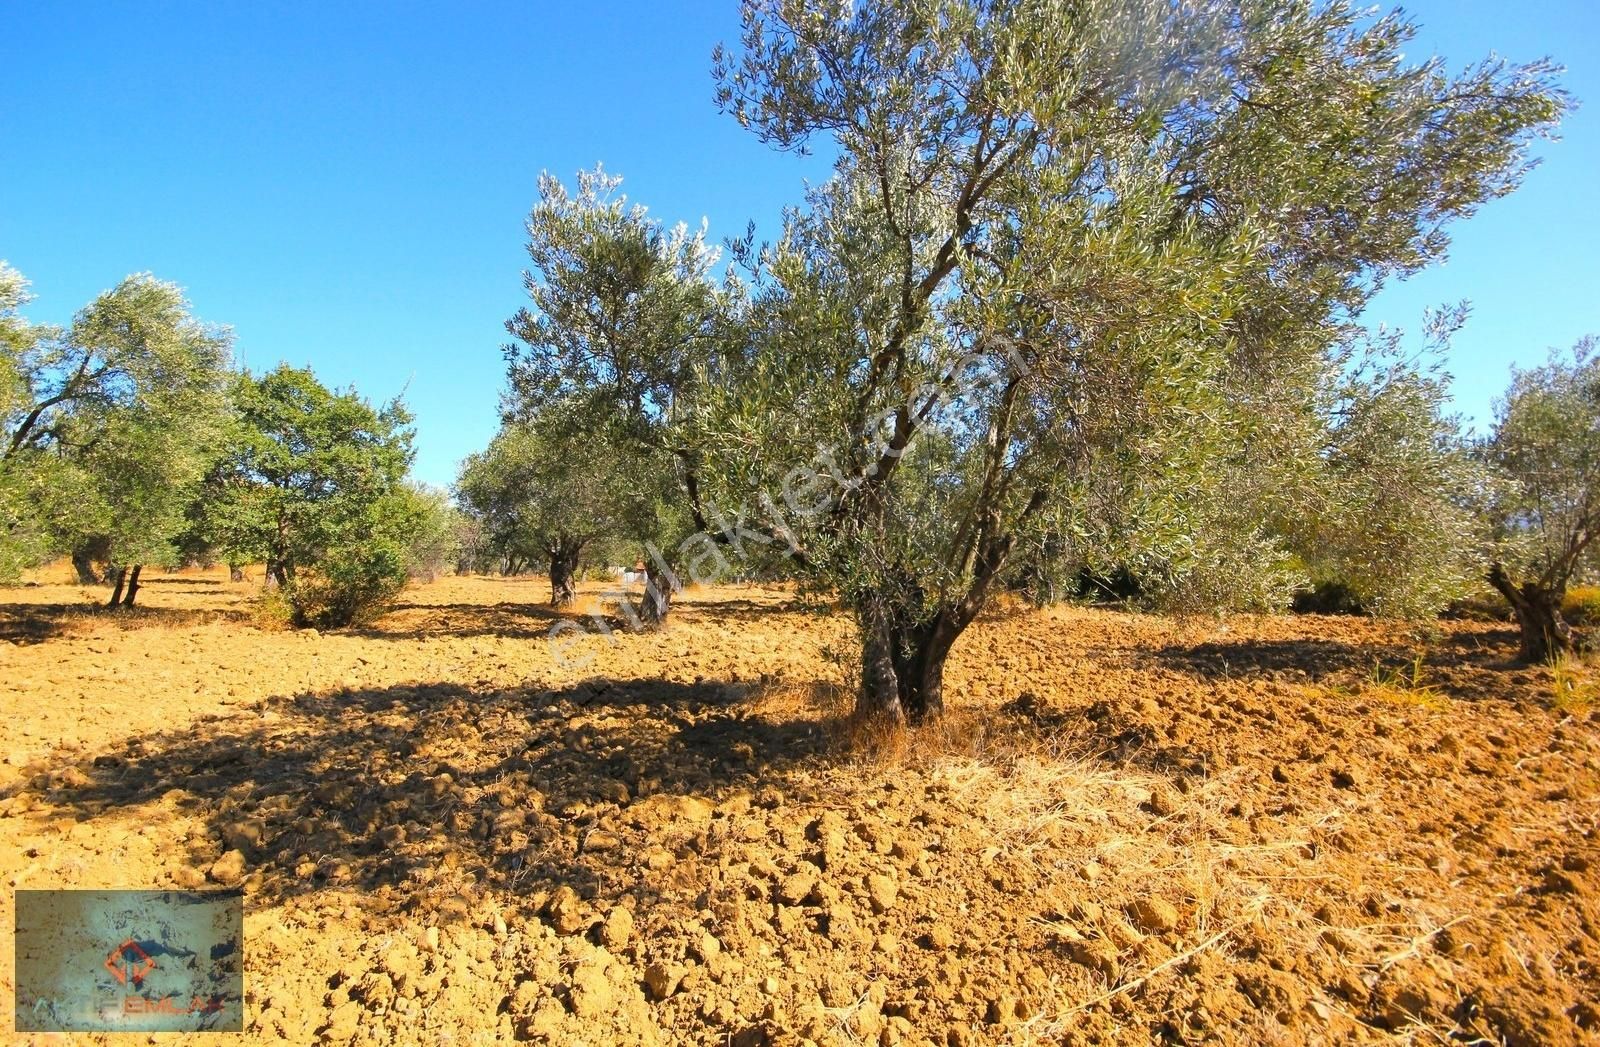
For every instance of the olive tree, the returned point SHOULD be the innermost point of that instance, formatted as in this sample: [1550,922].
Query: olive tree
[1546,443]
[622,324]
[112,422]
[1389,512]
[544,492]
[1065,240]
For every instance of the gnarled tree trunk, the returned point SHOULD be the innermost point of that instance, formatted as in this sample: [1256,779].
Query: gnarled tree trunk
[1546,637]
[902,663]
[83,563]
[656,601]
[564,572]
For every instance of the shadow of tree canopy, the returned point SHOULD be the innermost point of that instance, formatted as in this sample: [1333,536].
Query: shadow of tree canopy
[417,792]
[510,619]
[30,623]
[1315,659]
[523,620]
[1468,666]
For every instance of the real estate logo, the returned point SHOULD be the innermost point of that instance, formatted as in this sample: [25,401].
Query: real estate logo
[129,963]
[175,962]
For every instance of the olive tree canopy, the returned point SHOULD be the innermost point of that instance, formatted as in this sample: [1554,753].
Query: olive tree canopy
[1069,247]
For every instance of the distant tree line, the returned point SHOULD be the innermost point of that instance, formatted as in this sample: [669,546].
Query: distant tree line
[128,441]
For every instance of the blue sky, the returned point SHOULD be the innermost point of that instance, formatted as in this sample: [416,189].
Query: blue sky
[344,184]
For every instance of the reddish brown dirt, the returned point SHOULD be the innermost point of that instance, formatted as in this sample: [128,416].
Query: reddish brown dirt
[1128,830]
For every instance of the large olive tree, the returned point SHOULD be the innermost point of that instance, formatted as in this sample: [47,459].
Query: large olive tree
[1067,239]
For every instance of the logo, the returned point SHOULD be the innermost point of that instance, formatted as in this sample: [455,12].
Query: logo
[129,963]
[179,967]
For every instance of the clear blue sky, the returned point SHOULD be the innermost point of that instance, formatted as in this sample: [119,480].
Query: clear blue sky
[344,184]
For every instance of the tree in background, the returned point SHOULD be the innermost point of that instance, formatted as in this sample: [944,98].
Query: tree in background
[544,493]
[1546,518]
[1390,520]
[314,487]
[619,334]
[112,423]
[437,546]
[1071,248]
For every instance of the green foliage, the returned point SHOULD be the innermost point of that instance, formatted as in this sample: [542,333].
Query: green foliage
[1546,442]
[1080,286]
[622,312]
[313,484]
[1393,522]
[108,425]
[544,486]
[437,545]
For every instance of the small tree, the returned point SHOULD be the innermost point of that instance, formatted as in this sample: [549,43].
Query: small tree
[1546,443]
[544,491]
[314,486]
[438,543]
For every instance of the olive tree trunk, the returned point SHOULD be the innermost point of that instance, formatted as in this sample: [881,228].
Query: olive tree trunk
[1546,637]
[656,601]
[902,664]
[133,585]
[83,563]
[564,573]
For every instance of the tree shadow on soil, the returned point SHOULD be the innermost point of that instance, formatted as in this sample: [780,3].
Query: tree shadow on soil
[1312,659]
[1462,665]
[1106,733]
[30,623]
[509,618]
[736,609]
[533,620]
[412,794]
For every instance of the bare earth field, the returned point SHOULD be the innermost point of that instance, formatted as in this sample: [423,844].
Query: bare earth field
[1130,829]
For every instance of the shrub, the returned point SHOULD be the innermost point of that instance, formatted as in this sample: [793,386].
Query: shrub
[272,612]
[352,587]
[1581,605]
[1328,597]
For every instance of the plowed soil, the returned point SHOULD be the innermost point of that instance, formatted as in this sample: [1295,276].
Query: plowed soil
[1129,829]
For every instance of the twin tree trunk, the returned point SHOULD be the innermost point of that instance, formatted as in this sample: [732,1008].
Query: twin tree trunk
[125,586]
[902,664]
[1546,637]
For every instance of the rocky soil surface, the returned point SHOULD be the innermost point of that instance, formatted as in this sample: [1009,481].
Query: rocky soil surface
[1128,830]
